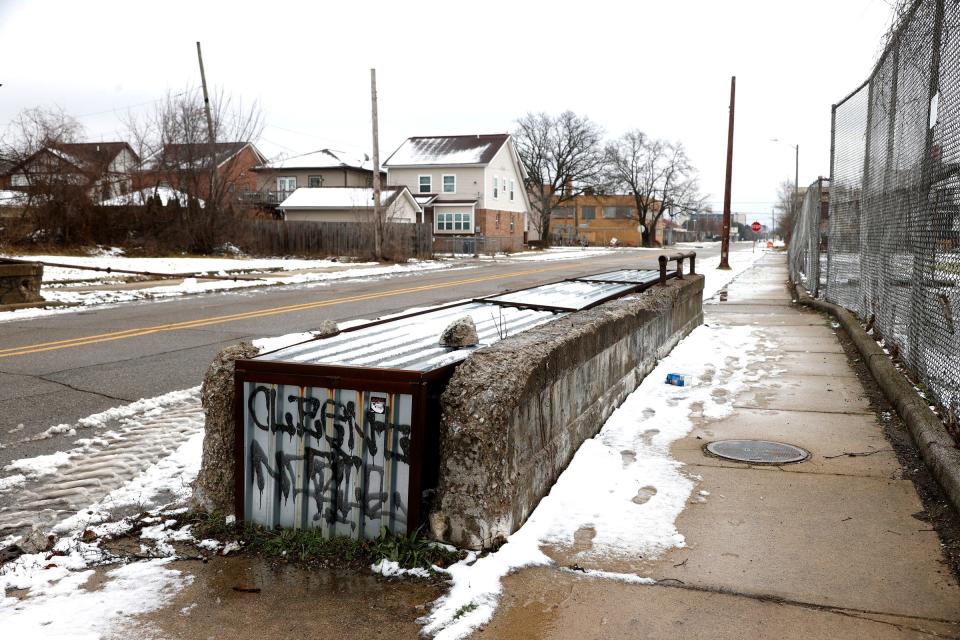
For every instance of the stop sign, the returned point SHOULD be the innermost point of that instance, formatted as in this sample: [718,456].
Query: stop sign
[755,226]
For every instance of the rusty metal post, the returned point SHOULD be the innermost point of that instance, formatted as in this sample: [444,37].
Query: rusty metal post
[693,263]
[663,270]
[725,238]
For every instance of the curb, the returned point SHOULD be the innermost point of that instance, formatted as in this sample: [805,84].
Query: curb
[937,448]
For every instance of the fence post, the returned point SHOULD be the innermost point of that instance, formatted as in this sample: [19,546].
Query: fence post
[833,159]
[923,246]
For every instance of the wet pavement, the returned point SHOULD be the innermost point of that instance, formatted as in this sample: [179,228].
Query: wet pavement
[248,597]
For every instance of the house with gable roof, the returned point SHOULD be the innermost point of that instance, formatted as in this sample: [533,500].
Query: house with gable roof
[470,186]
[322,168]
[187,167]
[103,169]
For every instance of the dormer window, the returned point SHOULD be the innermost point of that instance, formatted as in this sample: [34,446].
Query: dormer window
[426,184]
[449,183]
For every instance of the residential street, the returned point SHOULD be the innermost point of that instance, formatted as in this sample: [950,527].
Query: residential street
[57,369]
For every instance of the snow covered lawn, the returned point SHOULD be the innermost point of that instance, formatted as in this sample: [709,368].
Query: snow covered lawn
[82,288]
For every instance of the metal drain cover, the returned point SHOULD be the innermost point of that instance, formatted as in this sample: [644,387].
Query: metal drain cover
[757,451]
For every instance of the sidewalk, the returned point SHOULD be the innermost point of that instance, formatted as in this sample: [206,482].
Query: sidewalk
[827,548]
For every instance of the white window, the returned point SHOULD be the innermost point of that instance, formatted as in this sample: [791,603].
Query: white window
[453,221]
[449,183]
[511,189]
[286,184]
[426,184]
[496,187]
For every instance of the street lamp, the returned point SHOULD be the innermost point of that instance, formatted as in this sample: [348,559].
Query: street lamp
[796,173]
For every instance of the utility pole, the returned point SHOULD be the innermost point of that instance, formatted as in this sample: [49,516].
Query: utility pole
[377,213]
[211,139]
[725,238]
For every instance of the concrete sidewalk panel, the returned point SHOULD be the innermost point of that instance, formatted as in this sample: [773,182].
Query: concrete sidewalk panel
[805,393]
[806,344]
[828,540]
[816,363]
[549,604]
[822,434]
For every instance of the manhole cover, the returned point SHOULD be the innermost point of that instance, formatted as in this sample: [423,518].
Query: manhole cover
[757,451]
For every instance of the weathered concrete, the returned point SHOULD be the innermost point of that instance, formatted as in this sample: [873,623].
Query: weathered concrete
[515,413]
[546,604]
[20,282]
[213,490]
[462,332]
[937,447]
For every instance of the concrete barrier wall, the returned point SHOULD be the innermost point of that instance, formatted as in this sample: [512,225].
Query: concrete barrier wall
[514,413]
[20,282]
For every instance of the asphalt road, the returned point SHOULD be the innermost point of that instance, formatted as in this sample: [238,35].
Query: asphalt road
[57,369]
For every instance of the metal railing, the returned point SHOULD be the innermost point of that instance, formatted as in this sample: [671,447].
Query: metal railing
[678,258]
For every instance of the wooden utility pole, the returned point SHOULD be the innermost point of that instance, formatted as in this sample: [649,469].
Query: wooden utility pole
[211,138]
[377,209]
[725,238]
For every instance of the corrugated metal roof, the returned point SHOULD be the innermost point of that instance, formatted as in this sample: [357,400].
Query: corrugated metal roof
[636,276]
[570,295]
[412,343]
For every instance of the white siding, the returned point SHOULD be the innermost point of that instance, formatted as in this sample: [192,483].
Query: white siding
[469,181]
[503,167]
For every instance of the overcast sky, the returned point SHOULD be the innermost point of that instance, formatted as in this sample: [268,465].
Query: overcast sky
[462,68]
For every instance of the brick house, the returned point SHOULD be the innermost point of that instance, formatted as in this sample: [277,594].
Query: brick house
[186,168]
[469,186]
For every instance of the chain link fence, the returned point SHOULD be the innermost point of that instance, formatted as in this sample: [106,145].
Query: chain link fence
[807,250]
[888,247]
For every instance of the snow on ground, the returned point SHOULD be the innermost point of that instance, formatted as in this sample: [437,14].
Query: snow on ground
[114,258]
[716,279]
[109,296]
[564,253]
[622,483]
[57,604]
[119,444]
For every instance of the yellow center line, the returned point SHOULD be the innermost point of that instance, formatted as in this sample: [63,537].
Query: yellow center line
[261,313]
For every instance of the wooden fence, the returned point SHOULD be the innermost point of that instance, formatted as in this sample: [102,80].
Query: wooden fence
[402,241]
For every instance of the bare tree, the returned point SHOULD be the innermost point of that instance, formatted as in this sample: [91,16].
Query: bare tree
[174,142]
[563,158]
[56,184]
[789,200]
[657,173]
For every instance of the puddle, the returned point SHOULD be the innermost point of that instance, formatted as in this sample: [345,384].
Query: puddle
[290,599]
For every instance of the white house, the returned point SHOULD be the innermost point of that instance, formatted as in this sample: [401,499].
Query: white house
[349,204]
[469,185]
